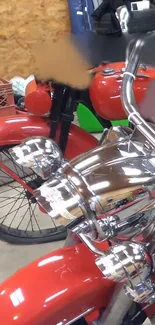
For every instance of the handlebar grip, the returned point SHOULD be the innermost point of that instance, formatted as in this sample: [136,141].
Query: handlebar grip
[141,21]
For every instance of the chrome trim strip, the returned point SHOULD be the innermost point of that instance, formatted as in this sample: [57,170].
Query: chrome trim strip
[76,318]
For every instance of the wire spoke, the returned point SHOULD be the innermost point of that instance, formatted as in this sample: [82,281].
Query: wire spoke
[13,210]
[15,214]
[14,164]
[9,198]
[33,215]
[9,211]
[22,218]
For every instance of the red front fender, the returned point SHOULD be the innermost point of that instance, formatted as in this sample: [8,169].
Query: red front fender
[16,128]
[58,287]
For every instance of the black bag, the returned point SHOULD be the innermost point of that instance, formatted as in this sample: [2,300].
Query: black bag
[105,20]
[108,25]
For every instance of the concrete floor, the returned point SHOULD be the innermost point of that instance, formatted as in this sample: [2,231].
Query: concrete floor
[14,257]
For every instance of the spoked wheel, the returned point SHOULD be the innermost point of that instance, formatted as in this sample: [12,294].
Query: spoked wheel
[21,219]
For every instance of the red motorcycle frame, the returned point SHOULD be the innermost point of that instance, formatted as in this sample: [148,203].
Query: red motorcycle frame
[105,97]
[18,127]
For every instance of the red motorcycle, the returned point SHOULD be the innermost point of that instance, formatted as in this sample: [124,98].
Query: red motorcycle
[34,226]
[110,248]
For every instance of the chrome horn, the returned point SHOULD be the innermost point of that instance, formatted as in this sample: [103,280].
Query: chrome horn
[129,263]
[39,153]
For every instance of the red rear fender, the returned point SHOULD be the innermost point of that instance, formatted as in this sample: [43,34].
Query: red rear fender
[16,128]
[58,287]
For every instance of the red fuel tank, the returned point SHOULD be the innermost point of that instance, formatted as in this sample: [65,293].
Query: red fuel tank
[106,85]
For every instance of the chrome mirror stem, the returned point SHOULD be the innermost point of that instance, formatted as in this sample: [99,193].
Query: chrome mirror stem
[127,92]
[90,244]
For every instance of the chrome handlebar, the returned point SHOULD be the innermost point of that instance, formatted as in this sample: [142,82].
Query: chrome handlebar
[127,95]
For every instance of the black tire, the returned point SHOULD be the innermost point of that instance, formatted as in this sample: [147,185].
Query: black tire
[16,202]
[135,310]
[14,238]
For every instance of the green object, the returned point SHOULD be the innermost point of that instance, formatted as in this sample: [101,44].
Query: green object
[89,122]
[120,122]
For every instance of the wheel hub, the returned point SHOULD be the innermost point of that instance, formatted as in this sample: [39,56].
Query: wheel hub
[33,184]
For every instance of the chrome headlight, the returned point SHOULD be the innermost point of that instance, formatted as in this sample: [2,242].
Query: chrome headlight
[111,182]
[39,153]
